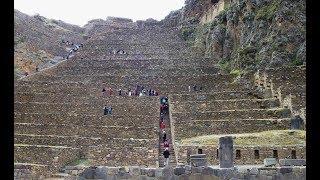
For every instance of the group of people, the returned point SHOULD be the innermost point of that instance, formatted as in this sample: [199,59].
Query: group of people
[138,91]
[194,88]
[164,112]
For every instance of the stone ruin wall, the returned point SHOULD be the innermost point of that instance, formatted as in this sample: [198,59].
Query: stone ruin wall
[247,154]
[176,173]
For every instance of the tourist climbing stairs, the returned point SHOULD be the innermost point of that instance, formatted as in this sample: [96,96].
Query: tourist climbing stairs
[172,157]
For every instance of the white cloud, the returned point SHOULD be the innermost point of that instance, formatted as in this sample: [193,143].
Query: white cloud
[79,12]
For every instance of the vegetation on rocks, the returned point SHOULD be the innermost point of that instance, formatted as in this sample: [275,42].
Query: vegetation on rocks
[250,35]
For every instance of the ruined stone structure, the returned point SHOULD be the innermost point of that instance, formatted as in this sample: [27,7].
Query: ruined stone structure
[59,119]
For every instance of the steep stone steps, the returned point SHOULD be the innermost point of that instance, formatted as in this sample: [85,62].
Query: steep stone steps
[220,105]
[199,128]
[139,132]
[87,119]
[233,114]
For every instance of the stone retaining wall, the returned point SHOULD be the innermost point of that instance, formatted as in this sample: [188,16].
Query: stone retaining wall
[82,119]
[219,105]
[185,172]
[247,154]
[89,131]
[200,128]
[233,114]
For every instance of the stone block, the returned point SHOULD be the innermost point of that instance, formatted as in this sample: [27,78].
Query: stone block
[101,172]
[296,122]
[196,169]
[284,170]
[88,173]
[135,170]
[270,162]
[179,171]
[112,170]
[226,152]
[292,162]
[197,160]
[208,171]
[253,171]
[151,172]
[158,172]
[168,172]
[226,173]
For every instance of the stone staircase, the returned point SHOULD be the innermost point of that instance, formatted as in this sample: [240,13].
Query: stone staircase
[172,157]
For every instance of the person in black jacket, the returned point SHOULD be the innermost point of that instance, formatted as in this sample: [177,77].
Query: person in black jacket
[166,155]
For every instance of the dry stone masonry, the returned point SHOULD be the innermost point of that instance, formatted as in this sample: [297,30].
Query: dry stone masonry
[60,125]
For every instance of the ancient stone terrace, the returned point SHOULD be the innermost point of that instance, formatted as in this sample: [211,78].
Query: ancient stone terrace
[60,110]
[221,111]
[287,84]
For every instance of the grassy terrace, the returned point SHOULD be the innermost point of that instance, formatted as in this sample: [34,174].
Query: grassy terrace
[266,138]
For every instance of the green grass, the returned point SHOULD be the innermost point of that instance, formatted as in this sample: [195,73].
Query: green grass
[268,12]
[265,138]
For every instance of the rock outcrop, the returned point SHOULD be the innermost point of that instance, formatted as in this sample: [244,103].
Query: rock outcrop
[246,34]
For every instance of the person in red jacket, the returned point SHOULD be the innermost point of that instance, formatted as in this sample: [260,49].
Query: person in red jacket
[162,125]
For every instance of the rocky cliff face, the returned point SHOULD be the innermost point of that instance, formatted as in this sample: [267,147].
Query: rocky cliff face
[247,34]
[37,40]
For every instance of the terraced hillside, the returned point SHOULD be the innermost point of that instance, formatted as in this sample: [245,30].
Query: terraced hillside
[59,111]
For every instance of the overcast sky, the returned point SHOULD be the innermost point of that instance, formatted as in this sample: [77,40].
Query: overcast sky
[79,12]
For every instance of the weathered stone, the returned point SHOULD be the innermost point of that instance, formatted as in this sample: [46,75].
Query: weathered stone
[197,160]
[158,172]
[284,170]
[208,171]
[270,162]
[226,152]
[101,172]
[296,122]
[292,162]
[196,169]
[151,172]
[112,170]
[168,172]
[179,171]
[135,170]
